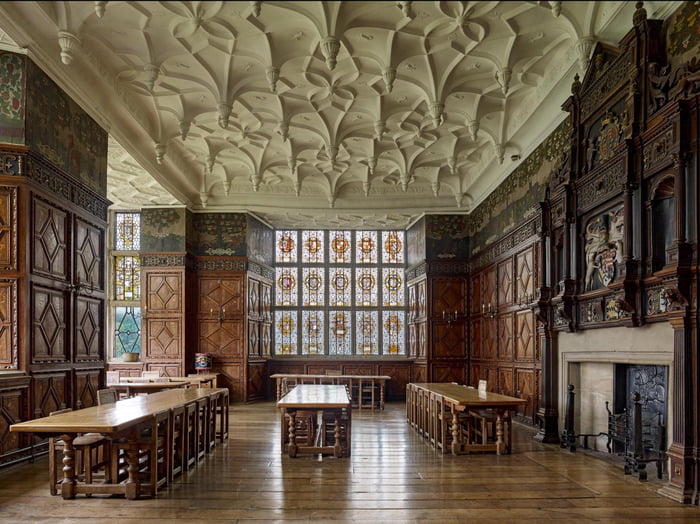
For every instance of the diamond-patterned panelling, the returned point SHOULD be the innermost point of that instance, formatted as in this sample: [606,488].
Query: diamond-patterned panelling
[48,318]
[163,339]
[505,281]
[525,341]
[8,229]
[49,225]
[87,253]
[525,267]
[8,313]
[505,337]
[87,330]
[221,339]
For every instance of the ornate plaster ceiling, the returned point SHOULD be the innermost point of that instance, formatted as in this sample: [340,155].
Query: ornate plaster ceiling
[334,114]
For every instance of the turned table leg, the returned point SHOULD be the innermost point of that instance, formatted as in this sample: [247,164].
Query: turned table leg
[68,485]
[499,433]
[132,486]
[292,446]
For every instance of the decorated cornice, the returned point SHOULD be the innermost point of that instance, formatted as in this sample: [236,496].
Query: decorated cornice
[517,237]
[262,270]
[220,264]
[163,260]
[607,183]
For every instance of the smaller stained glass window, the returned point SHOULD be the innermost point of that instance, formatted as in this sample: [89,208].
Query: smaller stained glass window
[314,286]
[127,278]
[392,280]
[392,247]
[312,332]
[366,334]
[286,332]
[339,336]
[366,286]
[127,231]
[312,247]
[340,289]
[366,247]
[286,286]
[286,246]
[393,333]
[127,330]
[339,242]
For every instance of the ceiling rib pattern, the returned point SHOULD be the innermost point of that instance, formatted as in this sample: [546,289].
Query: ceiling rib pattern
[334,114]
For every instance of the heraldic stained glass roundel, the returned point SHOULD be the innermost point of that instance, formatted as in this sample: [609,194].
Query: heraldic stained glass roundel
[313,282]
[313,244]
[286,325]
[286,244]
[340,282]
[286,281]
[392,282]
[392,245]
[366,245]
[340,245]
[366,282]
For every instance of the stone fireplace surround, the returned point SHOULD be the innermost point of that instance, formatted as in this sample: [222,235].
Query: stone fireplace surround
[587,360]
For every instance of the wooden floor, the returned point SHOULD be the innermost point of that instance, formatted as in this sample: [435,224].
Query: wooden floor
[392,476]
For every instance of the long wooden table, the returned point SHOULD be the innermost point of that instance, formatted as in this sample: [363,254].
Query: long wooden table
[318,404]
[201,381]
[354,383]
[435,408]
[132,389]
[121,420]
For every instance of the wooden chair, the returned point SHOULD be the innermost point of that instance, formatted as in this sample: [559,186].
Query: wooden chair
[92,453]
[106,396]
[191,434]
[111,378]
[177,442]
[369,394]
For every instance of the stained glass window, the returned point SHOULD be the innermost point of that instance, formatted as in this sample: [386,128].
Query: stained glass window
[366,335]
[312,247]
[366,286]
[366,247]
[340,334]
[340,251]
[286,246]
[340,288]
[393,333]
[286,286]
[127,231]
[286,332]
[127,278]
[127,330]
[392,247]
[392,280]
[312,334]
[339,293]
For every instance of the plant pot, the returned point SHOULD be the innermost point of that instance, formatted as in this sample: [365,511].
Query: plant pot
[130,357]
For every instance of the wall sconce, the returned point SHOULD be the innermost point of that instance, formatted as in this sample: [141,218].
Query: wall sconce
[451,317]
[82,288]
[488,311]
[524,301]
[221,316]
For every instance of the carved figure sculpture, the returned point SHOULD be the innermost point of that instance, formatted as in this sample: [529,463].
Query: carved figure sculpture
[596,239]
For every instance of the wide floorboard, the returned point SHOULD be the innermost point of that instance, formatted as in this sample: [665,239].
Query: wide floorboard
[394,475]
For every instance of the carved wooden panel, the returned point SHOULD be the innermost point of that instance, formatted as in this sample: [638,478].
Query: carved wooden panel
[256,381]
[13,407]
[225,295]
[422,298]
[412,304]
[525,335]
[164,292]
[254,302]
[49,252]
[221,339]
[51,392]
[358,369]
[526,390]
[8,317]
[266,301]
[88,337]
[505,381]
[488,287]
[48,313]
[167,369]
[448,295]
[447,373]
[266,339]
[449,340]
[505,281]
[490,338]
[420,374]
[422,339]
[163,338]
[489,374]
[476,298]
[8,228]
[475,375]
[88,251]
[253,338]
[400,376]
[231,376]
[475,338]
[412,340]
[505,337]
[525,277]
[87,382]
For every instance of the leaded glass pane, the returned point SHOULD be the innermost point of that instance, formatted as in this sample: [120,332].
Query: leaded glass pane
[366,286]
[312,332]
[286,246]
[313,286]
[392,247]
[366,247]
[286,332]
[127,330]
[127,278]
[393,340]
[127,231]
[393,291]
[339,247]
[286,286]
[366,333]
[340,289]
[339,333]
[312,247]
